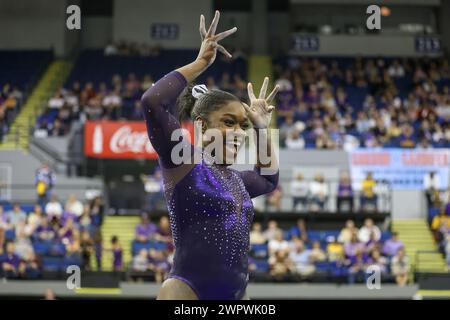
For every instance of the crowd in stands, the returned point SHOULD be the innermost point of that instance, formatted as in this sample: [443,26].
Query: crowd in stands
[152,249]
[11,98]
[439,219]
[116,99]
[51,234]
[292,254]
[125,48]
[314,195]
[330,103]
[298,253]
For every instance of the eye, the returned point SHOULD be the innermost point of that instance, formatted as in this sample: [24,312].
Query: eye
[245,126]
[229,122]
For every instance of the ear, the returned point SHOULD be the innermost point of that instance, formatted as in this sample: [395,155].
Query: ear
[203,123]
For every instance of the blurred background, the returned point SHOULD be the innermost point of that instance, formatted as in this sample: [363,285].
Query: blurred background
[364,136]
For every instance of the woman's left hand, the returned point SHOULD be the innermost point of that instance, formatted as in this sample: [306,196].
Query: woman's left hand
[260,109]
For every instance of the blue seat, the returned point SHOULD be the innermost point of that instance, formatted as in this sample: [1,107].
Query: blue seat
[41,247]
[137,246]
[159,245]
[10,234]
[52,264]
[259,250]
[385,235]
[262,265]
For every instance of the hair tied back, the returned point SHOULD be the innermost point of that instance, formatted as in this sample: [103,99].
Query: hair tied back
[199,90]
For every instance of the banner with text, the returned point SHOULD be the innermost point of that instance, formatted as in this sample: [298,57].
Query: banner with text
[401,168]
[119,140]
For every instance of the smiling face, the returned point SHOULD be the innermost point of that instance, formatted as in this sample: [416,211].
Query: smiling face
[231,121]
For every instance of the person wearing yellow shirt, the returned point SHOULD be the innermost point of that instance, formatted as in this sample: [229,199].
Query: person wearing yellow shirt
[368,196]
[335,250]
[443,219]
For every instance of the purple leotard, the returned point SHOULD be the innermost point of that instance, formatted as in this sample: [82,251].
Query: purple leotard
[210,207]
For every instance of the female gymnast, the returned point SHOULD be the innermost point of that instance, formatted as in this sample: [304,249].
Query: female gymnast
[209,204]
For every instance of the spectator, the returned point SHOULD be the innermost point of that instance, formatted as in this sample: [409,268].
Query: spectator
[335,250]
[74,206]
[256,235]
[140,261]
[54,209]
[153,186]
[44,181]
[317,253]
[358,264]
[367,230]
[117,250]
[272,230]
[158,264]
[352,247]
[347,232]
[97,211]
[22,245]
[279,266]
[10,262]
[278,244]
[273,199]
[145,230]
[49,295]
[301,259]
[16,216]
[368,196]
[163,232]
[298,231]
[345,194]
[34,218]
[392,245]
[400,267]
[318,192]
[87,248]
[44,232]
[299,192]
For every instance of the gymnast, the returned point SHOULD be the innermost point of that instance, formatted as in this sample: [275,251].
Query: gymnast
[209,204]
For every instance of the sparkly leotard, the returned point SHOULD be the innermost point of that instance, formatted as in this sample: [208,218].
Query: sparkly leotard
[210,207]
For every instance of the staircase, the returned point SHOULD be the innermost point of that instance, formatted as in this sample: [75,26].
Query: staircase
[123,227]
[419,245]
[53,78]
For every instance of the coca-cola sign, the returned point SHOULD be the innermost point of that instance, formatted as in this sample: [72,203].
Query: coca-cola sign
[118,140]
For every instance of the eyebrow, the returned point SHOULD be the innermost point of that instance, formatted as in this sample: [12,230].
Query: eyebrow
[234,117]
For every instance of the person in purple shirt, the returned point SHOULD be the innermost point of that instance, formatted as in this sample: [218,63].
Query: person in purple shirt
[145,229]
[392,245]
[10,262]
[44,232]
[116,249]
[209,204]
[345,194]
[357,266]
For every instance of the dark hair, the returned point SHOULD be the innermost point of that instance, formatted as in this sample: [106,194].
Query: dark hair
[114,239]
[189,107]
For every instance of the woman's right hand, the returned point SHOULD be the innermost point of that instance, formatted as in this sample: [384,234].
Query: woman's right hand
[209,46]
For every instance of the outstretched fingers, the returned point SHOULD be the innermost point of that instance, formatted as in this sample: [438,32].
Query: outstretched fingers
[213,26]
[202,27]
[251,95]
[224,34]
[224,51]
[262,92]
[272,94]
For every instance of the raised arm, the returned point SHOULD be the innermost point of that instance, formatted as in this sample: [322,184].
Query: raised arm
[160,97]
[263,178]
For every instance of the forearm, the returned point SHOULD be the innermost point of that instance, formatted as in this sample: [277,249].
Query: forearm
[266,155]
[192,70]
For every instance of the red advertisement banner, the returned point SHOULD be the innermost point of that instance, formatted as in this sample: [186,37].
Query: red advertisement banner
[119,140]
